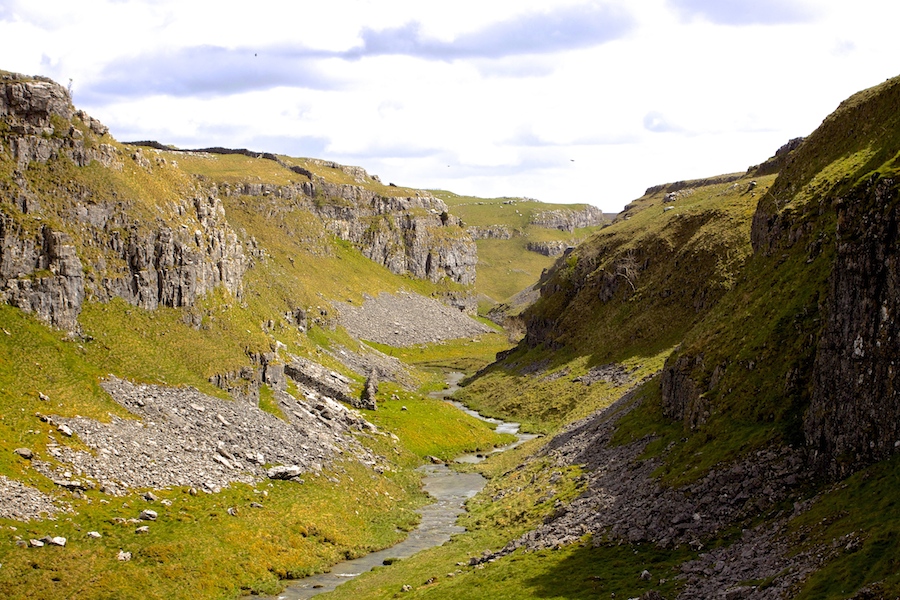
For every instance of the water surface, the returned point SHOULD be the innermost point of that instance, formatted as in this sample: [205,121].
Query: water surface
[450,490]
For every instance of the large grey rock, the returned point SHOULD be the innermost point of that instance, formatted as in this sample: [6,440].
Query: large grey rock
[284,472]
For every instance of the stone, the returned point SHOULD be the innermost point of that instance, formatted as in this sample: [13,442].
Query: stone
[36,543]
[57,541]
[65,430]
[645,575]
[367,401]
[142,529]
[25,453]
[148,515]
[284,472]
[94,534]
[123,556]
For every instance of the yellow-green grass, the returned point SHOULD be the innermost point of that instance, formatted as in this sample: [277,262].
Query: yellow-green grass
[430,427]
[466,355]
[196,549]
[239,168]
[856,521]
[512,503]
[686,259]
[268,403]
[506,267]
[231,168]
[515,213]
[546,400]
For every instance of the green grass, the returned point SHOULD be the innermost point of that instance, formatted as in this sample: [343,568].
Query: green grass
[544,401]
[857,523]
[268,403]
[196,549]
[513,502]
[465,355]
[506,267]
[430,427]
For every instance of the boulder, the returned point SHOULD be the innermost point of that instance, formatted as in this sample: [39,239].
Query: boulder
[284,472]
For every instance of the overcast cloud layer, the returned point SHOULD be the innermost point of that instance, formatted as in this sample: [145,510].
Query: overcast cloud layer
[566,101]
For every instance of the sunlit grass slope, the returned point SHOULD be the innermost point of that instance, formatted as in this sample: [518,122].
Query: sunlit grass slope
[506,267]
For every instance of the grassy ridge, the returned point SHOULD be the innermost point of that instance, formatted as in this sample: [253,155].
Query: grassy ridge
[506,267]
[682,261]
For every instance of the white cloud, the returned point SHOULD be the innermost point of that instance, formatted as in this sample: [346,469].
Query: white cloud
[590,101]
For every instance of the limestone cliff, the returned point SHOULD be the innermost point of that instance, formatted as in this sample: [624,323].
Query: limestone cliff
[156,235]
[823,287]
[854,414]
[569,220]
[412,235]
[47,221]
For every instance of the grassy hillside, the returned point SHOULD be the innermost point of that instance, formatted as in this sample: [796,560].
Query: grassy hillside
[735,328]
[196,547]
[506,266]
[627,295]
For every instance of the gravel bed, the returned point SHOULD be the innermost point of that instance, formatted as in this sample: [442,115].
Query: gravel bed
[407,319]
[24,503]
[185,438]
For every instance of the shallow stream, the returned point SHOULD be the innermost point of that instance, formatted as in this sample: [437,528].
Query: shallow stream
[450,490]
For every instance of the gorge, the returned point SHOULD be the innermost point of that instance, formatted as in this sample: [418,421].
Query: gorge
[217,366]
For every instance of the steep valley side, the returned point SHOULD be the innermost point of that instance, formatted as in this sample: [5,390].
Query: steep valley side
[216,368]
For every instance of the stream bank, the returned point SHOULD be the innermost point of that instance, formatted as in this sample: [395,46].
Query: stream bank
[449,488]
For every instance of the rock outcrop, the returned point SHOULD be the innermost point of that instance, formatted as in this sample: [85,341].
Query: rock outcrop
[854,414]
[412,235]
[41,274]
[569,220]
[490,232]
[171,260]
[102,244]
[552,248]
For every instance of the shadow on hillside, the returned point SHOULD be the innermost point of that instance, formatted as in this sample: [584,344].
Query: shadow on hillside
[583,571]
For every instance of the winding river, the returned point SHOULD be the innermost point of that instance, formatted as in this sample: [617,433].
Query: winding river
[450,490]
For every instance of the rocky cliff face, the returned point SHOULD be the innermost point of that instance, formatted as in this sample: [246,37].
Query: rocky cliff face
[854,415]
[569,220]
[171,260]
[63,239]
[834,223]
[41,274]
[412,235]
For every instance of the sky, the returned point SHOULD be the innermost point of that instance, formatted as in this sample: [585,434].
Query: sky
[562,101]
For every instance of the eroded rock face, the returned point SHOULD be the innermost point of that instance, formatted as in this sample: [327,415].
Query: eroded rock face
[552,248]
[854,415]
[412,235]
[167,266]
[40,116]
[148,263]
[569,220]
[41,275]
